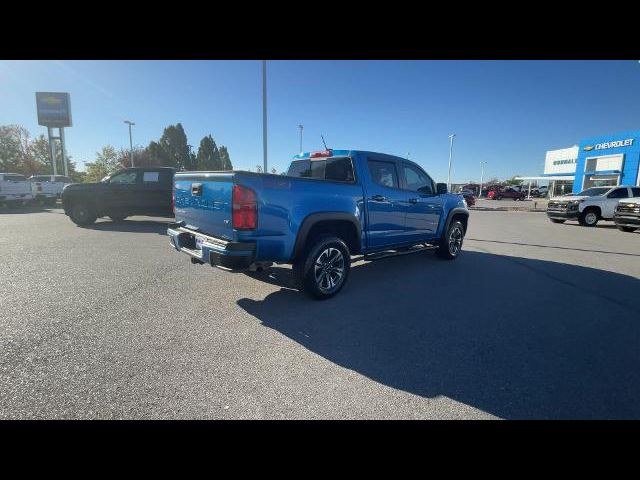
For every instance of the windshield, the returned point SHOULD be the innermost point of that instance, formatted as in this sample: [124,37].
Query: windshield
[594,192]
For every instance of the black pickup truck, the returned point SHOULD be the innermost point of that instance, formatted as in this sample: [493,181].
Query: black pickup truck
[131,191]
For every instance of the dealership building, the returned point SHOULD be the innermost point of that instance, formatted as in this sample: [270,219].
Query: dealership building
[607,160]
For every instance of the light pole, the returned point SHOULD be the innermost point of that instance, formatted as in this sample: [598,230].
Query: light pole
[130,142]
[190,166]
[450,155]
[300,127]
[264,114]
[482,164]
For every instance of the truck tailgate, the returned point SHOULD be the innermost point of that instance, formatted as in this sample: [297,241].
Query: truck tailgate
[203,202]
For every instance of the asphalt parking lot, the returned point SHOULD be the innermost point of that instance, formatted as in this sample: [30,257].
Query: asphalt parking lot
[534,320]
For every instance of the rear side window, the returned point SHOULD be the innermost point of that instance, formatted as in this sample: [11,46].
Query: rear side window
[338,169]
[383,173]
[150,177]
[636,191]
[63,179]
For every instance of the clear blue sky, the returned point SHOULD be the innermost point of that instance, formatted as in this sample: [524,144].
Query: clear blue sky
[504,112]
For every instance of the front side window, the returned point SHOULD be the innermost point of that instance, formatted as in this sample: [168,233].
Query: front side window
[126,178]
[619,193]
[383,173]
[15,178]
[417,181]
[635,191]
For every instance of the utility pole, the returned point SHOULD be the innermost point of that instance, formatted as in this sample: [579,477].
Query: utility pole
[300,127]
[130,142]
[52,148]
[264,114]
[450,155]
[482,164]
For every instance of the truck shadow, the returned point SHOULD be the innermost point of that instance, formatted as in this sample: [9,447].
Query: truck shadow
[132,226]
[514,337]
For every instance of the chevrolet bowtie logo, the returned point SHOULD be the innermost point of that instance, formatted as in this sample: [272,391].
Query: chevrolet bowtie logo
[588,148]
[52,100]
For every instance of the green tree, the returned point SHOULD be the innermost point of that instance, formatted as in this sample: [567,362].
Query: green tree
[225,159]
[513,181]
[208,157]
[106,163]
[174,144]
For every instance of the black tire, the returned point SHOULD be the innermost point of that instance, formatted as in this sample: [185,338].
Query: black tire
[626,229]
[82,215]
[117,218]
[326,261]
[557,220]
[498,197]
[588,218]
[450,244]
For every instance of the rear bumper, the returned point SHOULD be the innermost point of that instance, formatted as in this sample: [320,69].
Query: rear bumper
[563,214]
[215,251]
[627,220]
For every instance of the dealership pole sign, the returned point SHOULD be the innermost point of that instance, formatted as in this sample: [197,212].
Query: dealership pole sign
[54,109]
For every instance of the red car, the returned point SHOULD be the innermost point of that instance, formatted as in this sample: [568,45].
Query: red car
[506,193]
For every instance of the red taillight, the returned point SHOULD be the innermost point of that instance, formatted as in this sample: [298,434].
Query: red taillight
[245,208]
[326,153]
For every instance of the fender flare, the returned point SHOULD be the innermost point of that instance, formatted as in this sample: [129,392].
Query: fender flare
[312,219]
[452,212]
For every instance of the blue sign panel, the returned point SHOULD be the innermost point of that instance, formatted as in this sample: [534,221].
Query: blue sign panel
[54,109]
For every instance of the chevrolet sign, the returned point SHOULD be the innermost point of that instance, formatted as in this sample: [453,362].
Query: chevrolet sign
[615,144]
[54,109]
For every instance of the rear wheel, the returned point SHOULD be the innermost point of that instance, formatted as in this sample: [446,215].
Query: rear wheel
[451,242]
[626,229]
[82,215]
[324,268]
[588,218]
[557,220]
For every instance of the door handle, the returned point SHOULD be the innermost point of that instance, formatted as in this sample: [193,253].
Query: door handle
[413,200]
[379,198]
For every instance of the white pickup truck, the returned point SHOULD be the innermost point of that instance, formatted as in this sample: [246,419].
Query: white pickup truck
[14,189]
[590,205]
[48,188]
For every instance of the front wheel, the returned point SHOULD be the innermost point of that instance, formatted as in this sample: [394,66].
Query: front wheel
[82,215]
[451,243]
[324,269]
[626,229]
[588,218]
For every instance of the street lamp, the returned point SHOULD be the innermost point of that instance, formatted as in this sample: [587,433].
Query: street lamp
[482,164]
[300,127]
[130,141]
[450,154]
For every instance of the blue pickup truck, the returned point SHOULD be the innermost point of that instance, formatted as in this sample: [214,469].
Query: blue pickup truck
[329,206]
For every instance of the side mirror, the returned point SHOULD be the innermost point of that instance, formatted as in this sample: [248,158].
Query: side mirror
[441,188]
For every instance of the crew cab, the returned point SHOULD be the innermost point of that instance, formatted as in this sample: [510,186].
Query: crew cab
[590,205]
[131,191]
[627,213]
[329,206]
[48,188]
[14,189]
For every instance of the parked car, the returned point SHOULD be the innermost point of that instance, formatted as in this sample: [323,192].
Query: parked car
[131,191]
[507,192]
[48,188]
[590,205]
[331,205]
[468,197]
[15,189]
[627,213]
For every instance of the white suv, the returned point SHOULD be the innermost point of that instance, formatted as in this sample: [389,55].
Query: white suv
[48,188]
[590,205]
